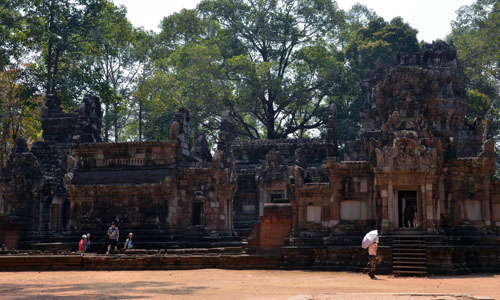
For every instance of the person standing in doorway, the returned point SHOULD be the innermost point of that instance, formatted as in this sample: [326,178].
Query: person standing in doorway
[113,236]
[409,213]
[372,252]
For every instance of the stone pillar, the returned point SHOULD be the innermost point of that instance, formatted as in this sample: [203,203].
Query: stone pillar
[385,213]
[335,199]
[485,203]
[262,194]
[441,203]
[429,188]
[390,205]
[423,206]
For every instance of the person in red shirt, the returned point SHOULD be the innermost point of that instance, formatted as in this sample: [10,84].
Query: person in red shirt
[81,244]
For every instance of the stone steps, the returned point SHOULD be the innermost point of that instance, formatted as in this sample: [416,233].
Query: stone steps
[244,227]
[409,255]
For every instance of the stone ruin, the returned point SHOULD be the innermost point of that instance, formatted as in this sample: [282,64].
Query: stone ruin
[307,199]
[32,185]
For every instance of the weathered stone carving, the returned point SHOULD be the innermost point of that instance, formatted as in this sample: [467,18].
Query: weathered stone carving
[201,151]
[21,183]
[88,122]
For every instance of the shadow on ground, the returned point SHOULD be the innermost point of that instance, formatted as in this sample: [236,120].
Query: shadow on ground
[111,290]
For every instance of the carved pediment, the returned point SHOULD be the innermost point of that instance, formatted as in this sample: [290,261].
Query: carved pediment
[406,153]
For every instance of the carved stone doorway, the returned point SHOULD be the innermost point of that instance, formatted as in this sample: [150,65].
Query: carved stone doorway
[197,210]
[55,214]
[407,209]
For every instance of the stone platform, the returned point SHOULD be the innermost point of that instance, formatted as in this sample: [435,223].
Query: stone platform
[162,261]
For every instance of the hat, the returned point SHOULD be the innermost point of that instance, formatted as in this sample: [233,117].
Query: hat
[88,234]
[112,223]
[84,236]
[131,234]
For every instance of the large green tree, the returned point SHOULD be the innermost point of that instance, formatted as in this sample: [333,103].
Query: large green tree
[380,39]
[11,22]
[58,31]
[289,65]
[114,55]
[476,34]
[272,63]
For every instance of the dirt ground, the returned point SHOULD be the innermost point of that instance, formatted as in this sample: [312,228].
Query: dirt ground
[240,285]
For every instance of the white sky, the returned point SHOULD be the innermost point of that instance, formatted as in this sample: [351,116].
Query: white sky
[430,17]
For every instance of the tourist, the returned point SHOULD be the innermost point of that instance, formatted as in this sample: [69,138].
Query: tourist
[113,236]
[128,243]
[87,244]
[372,252]
[81,244]
[409,214]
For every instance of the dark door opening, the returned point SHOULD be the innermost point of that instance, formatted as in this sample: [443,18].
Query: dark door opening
[197,209]
[407,209]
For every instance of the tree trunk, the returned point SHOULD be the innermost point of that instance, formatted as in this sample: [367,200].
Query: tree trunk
[271,132]
[49,50]
[5,131]
[106,123]
[49,68]
[140,121]
[115,122]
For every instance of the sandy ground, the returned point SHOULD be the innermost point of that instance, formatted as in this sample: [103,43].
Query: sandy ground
[239,285]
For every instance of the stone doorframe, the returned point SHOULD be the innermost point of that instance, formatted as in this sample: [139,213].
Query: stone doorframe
[406,188]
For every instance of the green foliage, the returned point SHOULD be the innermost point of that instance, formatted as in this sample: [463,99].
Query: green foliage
[477,103]
[476,35]
[115,56]
[10,24]
[381,40]
[19,110]
[268,62]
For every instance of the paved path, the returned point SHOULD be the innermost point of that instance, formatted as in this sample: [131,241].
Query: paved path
[216,284]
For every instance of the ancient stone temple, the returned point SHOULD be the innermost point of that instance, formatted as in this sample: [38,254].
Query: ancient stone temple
[417,171]
[32,184]
[414,153]
[152,185]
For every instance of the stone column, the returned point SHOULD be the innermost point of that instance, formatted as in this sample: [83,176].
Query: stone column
[262,196]
[335,199]
[385,213]
[441,203]
[485,203]
[429,188]
[423,206]
[391,205]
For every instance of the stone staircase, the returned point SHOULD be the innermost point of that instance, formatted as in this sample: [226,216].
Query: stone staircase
[409,255]
[244,226]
